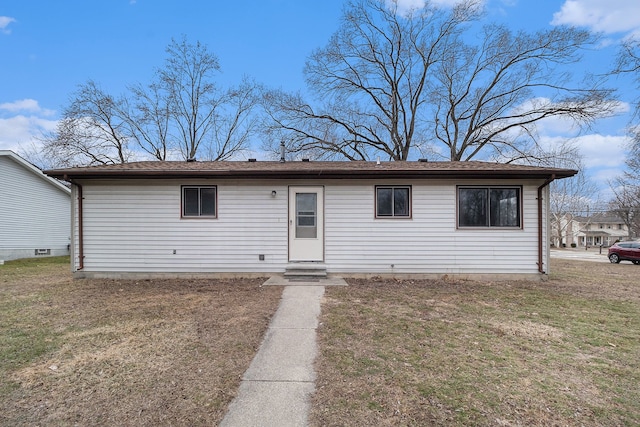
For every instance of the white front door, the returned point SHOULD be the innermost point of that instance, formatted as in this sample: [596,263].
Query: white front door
[306,223]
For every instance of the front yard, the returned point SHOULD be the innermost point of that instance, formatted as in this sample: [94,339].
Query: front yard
[447,352]
[560,353]
[115,352]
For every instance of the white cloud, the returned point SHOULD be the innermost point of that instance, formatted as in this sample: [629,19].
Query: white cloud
[406,5]
[603,151]
[4,23]
[23,104]
[611,16]
[602,157]
[598,151]
[21,130]
[22,122]
[606,175]
[26,105]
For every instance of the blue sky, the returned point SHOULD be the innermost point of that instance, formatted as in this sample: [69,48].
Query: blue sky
[47,48]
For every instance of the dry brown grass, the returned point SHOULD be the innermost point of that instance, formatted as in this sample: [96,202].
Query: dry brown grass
[565,352]
[101,352]
[117,352]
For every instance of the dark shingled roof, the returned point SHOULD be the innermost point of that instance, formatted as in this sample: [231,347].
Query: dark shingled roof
[309,170]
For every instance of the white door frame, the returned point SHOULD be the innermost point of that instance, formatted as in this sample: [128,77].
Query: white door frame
[306,227]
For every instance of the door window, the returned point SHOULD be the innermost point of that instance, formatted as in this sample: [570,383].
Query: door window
[306,216]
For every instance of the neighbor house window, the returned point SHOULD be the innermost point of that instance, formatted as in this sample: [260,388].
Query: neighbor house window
[199,201]
[393,201]
[489,206]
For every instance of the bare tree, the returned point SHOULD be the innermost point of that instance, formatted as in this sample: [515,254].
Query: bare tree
[92,130]
[187,77]
[148,117]
[570,198]
[489,97]
[234,123]
[180,112]
[628,63]
[34,154]
[626,205]
[393,85]
[626,188]
[374,77]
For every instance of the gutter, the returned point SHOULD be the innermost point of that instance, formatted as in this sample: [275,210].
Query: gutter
[80,223]
[540,234]
[295,174]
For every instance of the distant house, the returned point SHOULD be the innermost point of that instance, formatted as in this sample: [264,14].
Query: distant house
[34,211]
[347,218]
[593,230]
[601,229]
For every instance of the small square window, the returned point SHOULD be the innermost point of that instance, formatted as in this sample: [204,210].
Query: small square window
[199,202]
[393,202]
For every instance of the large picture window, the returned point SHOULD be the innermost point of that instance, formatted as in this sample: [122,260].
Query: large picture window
[489,206]
[393,201]
[199,201]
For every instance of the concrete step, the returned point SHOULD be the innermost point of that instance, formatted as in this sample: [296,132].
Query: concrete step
[306,270]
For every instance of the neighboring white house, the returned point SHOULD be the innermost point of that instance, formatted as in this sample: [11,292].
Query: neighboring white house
[35,213]
[600,229]
[350,218]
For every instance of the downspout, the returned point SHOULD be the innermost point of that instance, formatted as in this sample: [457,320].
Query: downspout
[80,224]
[540,233]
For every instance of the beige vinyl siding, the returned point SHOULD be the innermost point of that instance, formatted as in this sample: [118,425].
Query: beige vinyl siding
[136,226]
[34,213]
[429,242]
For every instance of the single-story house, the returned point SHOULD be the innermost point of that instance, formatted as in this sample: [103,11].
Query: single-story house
[35,214]
[347,218]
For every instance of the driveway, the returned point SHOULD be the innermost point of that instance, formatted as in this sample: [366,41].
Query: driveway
[592,254]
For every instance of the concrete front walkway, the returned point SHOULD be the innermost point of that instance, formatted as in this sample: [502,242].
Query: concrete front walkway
[276,388]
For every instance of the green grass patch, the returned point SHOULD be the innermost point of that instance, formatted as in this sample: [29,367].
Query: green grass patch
[33,263]
[25,335]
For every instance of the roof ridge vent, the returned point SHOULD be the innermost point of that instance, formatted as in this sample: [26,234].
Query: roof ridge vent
[191,159]
[252,160]
[423,160]
[305,160]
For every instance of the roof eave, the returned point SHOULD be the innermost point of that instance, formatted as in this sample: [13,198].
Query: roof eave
[68,175]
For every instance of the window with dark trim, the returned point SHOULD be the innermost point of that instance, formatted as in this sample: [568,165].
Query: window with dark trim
[393,201]
[199,202]
[489,206]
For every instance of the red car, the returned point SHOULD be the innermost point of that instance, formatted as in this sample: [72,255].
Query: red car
[625,251]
